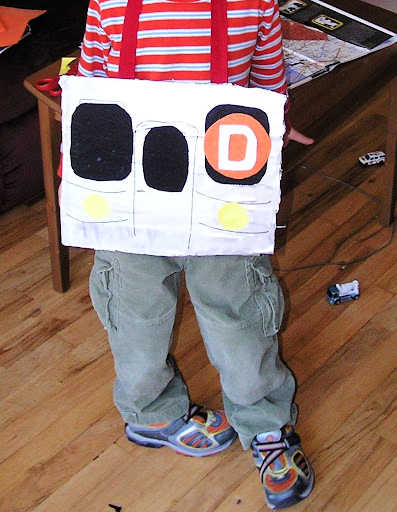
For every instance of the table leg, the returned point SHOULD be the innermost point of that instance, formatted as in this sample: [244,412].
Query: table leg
[50,140]
[388,175]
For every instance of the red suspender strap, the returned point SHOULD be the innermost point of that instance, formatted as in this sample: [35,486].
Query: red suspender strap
[219,57]
[129,39]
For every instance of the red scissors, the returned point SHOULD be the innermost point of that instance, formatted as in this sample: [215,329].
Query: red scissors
[51,85]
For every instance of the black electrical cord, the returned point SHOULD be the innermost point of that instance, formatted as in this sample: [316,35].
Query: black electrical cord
[343,264]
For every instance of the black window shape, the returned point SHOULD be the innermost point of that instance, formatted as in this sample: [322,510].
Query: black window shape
[101,142]
[218,113]
[165,159]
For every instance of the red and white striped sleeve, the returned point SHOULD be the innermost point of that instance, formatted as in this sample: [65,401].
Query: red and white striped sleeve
[267,65]
[96,45]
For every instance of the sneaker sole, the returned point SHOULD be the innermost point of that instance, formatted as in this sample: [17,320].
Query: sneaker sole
[159,443]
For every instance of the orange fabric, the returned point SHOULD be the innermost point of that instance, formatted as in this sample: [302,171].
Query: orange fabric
[212,143]
[13,23]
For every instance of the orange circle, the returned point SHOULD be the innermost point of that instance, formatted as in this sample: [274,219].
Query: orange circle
[236,144]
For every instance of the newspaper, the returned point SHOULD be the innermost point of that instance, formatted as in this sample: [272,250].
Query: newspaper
[317,37]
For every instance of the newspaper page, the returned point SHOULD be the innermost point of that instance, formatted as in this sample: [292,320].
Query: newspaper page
[317,37]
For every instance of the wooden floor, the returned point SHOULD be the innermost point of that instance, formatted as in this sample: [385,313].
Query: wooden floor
[62,446]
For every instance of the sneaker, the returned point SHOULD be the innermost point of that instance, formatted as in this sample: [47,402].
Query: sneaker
[198,433]
[285,472]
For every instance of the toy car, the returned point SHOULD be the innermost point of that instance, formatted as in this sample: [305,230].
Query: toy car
[337,293]
[372,158]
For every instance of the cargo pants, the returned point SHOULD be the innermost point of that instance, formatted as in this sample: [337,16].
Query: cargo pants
[239,306]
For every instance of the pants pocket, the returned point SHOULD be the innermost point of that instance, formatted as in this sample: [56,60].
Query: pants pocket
[103,291]
[268,294]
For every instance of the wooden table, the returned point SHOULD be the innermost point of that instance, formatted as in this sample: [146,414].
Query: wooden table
[50,133]
[321,104]
[317,105]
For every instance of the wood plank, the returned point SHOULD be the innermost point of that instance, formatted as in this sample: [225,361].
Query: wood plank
[205,496]
[353,455]
[31,365]
[384,485]
[336,334]
[350,378]
[36,406]
[26,459]
[312,309]
[109,476]
[80,440]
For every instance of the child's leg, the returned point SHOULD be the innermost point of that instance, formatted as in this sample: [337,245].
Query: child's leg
[239,306]
[135,298]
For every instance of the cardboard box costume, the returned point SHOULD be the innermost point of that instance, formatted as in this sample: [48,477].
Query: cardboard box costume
[170,168]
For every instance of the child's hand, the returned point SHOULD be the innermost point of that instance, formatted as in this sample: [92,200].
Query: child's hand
[298,137]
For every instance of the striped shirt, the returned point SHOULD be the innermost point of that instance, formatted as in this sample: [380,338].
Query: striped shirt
[174,41]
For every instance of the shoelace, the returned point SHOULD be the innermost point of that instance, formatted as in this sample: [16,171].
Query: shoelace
[273,450]
[194,410]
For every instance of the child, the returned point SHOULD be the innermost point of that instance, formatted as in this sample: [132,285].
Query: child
[237,299]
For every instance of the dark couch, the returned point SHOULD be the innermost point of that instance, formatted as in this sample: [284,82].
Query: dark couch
[55,34]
